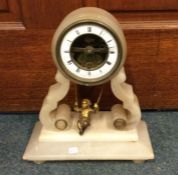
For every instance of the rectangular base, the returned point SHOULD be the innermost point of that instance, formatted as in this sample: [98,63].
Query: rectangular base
[89,150]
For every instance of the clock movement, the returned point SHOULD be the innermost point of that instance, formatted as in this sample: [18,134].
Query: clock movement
[89,49]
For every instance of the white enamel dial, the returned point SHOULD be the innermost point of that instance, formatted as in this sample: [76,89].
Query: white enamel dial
[89,52]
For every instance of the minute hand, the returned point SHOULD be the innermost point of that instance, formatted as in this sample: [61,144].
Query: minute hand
[80,49]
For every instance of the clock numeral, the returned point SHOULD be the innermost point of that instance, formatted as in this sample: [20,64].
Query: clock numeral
[89,73]
[77,32]
[111,52]
[78,70]
[100,71]
[109,63]
[69,40]
[101,32]
[66,51]
[109,41]
[89,29]
[69,62]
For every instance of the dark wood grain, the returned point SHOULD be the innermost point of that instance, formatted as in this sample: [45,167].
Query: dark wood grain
[136,5]
[47,13]
[27,69]
[166,69]
[3,5]
[90,3]
[147,16]
[11,17]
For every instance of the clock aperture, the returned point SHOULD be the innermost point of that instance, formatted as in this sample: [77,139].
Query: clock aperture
[89,51]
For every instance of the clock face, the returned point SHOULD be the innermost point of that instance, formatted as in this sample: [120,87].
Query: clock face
[88,53]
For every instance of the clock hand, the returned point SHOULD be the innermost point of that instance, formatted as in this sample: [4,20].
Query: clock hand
[101,50]
[89,49]
[77,49]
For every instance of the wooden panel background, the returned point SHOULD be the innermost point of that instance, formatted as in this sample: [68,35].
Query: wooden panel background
[3,5]
[27,70]
[138,5]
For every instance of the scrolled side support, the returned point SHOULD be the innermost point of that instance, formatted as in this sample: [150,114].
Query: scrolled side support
[49,112]
[124,92]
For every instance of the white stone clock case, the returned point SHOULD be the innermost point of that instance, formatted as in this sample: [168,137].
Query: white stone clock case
[101,141]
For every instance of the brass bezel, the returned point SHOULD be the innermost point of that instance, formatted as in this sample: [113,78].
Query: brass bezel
[82,81]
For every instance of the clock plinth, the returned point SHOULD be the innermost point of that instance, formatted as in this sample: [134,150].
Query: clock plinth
[110,144]
[101,141]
